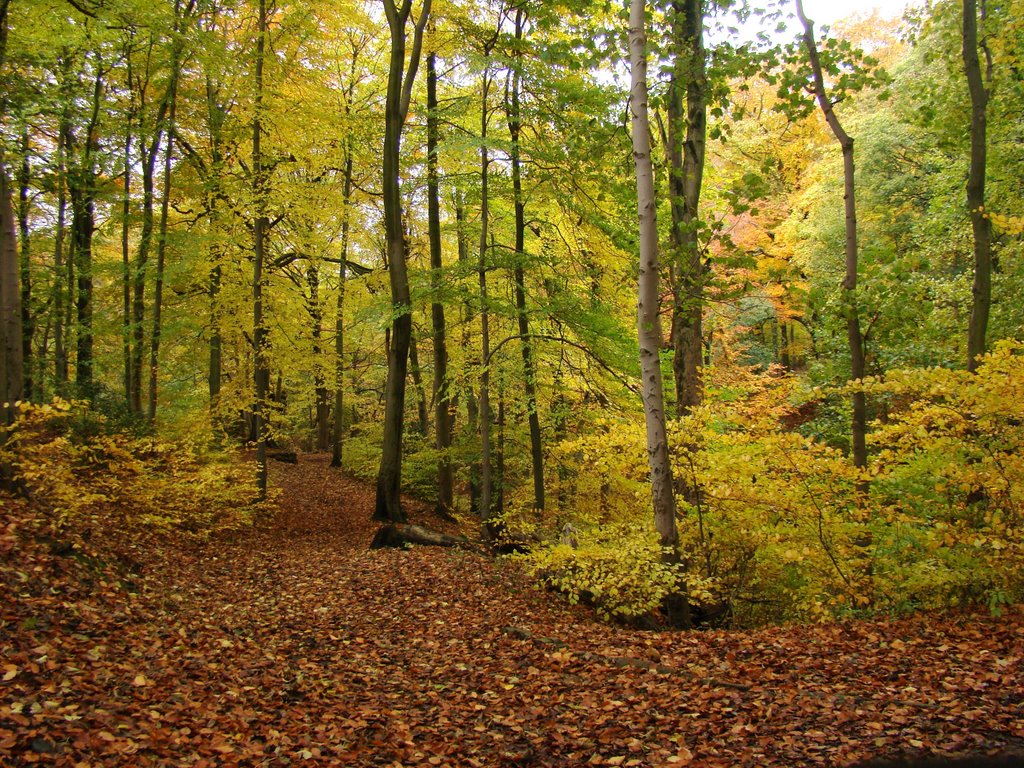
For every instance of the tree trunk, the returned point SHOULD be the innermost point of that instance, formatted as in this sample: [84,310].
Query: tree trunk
[855,338]
[399,92]
[11,368]
[62,280]
[338,425]
[216,341]
[338,433]
[24,268]
[486,477]
[215,121]
[529,369]
[499,456]
[126,210]
[83,224]
[685,147]
[472,408]
[422,419]
[981,291]
[261,367]
[648,323]
[442,420]
[149,155]
[321,395]
[161,253]
[60,354]
[11,361]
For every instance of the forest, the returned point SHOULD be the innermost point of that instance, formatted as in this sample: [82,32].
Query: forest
[408,237]
[410,240]
[688,314]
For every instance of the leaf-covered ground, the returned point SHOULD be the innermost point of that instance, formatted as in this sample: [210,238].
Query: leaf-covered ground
[294,644]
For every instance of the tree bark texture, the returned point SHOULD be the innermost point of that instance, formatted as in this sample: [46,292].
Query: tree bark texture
[337,427]
[685,146]
[126,226]
[82,180]
[399,92]
[648,323]
[472,408]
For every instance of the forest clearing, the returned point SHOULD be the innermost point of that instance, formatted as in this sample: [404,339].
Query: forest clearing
[294,644]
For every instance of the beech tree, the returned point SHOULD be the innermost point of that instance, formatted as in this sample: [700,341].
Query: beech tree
[11,350]
[401,77]
[685,144]
[981,224]
[11,361]
[442,400]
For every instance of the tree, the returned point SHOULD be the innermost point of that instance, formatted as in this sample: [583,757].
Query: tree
[260,229]
[401,77]
[11,360]
[514,116]
[442,401]
[486,415]
[685,146]
[358,43]
[981,224]
[855,338]
[648,323]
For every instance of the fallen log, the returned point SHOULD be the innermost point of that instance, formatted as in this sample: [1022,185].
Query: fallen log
[288,457]
[403,534]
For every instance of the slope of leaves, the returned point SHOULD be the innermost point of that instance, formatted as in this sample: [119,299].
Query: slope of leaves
[293,644]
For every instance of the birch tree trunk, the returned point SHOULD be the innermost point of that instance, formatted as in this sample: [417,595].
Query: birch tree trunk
[648,323]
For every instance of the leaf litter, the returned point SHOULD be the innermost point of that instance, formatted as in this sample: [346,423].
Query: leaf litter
[294,644]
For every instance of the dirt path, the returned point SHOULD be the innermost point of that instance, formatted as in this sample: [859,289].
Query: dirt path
[295,645]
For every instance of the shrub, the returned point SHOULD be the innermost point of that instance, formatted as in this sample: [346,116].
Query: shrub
[66,456]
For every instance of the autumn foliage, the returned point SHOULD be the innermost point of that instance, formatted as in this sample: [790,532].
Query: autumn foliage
[773,522]
[70,459]
[290,643]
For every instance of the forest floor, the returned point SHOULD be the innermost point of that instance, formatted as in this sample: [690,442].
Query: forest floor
[293,644]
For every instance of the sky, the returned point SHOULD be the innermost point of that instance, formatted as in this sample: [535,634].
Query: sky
[822,13]
[830,11]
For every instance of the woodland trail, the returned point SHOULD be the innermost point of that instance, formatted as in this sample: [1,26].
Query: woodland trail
[293,644]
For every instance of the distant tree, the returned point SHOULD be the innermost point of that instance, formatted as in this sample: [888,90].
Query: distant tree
[855,338]
[981,224]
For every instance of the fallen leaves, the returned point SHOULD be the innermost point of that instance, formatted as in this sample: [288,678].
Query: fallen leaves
[295,645]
